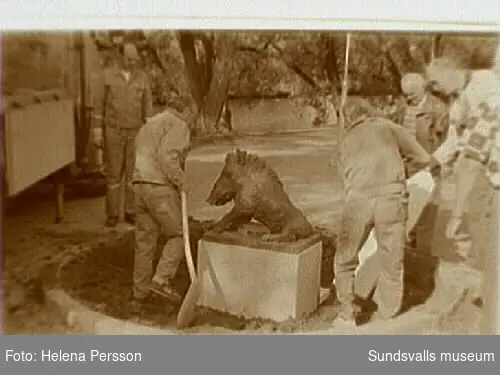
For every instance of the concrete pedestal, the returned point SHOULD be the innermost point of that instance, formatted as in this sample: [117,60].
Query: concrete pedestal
[248,277]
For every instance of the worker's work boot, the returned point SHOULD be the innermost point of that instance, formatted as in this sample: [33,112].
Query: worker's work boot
[346,317]
[166,290]
[112,221]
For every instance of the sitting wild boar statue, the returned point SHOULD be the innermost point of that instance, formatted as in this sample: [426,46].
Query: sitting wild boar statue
[257,193]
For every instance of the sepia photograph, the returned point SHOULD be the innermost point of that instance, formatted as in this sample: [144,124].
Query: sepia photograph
[250,182]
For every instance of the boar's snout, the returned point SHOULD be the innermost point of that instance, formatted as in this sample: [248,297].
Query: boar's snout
[211,199]
[221,193]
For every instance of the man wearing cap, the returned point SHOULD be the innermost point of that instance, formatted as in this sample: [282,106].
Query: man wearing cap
[124,108]
[472,142]
[374,182]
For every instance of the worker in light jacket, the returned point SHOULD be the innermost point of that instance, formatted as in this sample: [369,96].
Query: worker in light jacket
[162,146]
[375,197]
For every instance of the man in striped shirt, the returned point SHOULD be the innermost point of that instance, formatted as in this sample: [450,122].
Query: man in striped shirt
[124,108]
[472,144]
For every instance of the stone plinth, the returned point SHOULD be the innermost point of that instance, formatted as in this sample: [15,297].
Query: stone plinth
[248,277]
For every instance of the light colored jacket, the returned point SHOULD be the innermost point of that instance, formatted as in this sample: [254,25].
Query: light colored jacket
[123,104]
[162,145]
[372,156]
[474,124]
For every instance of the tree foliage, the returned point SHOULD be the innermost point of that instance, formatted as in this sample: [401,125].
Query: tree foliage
[197,71]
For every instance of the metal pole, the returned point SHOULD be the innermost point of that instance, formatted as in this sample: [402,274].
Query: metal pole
[343,97]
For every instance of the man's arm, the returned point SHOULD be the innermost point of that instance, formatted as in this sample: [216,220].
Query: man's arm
[172,150]
[449,148]
[410,147]
[100,100]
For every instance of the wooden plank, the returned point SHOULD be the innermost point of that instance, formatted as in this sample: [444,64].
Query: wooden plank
[39,140]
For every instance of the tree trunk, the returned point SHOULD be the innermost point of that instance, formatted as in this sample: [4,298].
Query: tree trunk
[219,86]
[209,78]
[436,46]
[394,68]
[332,69]
[193,69]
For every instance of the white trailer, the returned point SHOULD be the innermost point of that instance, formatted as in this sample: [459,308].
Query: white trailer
[45,111]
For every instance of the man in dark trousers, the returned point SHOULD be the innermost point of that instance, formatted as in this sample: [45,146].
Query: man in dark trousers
[374,180]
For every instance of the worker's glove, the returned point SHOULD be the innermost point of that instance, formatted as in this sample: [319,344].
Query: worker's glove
[98,137]
[180,183]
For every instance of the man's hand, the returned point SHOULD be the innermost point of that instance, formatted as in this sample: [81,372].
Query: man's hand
[180,184]
[217,228]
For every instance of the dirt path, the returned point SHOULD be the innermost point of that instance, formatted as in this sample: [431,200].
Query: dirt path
[31,240]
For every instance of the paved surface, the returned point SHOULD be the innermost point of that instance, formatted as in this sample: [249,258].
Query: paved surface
[31,239]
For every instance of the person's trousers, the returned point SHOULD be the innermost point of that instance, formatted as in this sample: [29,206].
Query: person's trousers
[387,215]
[120,161]
[472,196]
[159,220]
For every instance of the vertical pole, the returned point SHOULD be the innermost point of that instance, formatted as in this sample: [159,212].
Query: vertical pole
[343,98]
[344,94]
